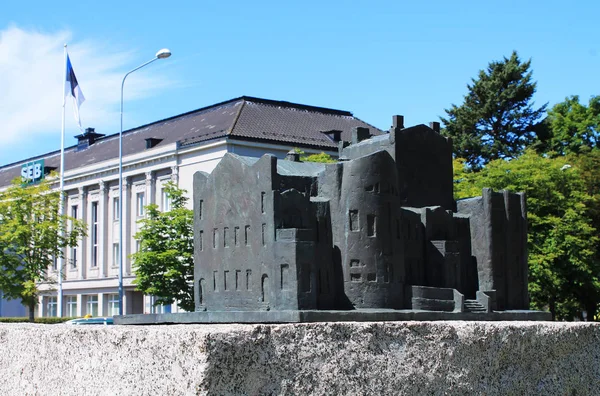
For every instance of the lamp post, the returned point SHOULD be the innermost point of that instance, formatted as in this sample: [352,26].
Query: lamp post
[162,54]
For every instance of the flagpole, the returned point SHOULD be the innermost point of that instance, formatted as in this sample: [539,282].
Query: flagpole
[62,188]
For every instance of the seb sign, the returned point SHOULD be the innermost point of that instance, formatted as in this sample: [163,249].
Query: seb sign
[32,172]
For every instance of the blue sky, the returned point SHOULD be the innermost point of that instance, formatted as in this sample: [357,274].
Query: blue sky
[375,58]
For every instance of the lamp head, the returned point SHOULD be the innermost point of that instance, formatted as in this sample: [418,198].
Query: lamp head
[163,53]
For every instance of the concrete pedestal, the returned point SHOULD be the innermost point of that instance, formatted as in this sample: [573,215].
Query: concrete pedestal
[312,358]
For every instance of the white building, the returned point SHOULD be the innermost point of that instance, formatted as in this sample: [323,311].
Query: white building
[168,150]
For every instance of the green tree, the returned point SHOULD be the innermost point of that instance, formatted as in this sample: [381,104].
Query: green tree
[497,118]
[31,239]
[164,265]
[563,243]
[571,127]
[321,157]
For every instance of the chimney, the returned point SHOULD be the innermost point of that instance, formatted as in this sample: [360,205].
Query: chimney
[334,134]
[398,122]
[87,138]
[435,126]
[293,156]
[359,134]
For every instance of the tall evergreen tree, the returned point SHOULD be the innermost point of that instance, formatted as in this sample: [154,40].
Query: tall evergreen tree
[497,119]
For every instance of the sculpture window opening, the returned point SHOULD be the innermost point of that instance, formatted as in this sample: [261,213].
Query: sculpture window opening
[371,225]
[353,217]
[201,291]
[284,276]
[248,279]
[265,289]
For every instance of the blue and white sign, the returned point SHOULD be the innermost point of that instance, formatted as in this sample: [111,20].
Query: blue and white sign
[32,172]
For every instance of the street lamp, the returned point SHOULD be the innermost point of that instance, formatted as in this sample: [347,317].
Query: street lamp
[162,54]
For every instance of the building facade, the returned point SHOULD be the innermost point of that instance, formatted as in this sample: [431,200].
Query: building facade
[170,150]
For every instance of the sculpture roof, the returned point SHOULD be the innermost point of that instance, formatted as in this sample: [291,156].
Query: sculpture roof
[284,167]
[290,168]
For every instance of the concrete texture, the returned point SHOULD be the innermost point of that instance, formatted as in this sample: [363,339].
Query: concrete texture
[434,358]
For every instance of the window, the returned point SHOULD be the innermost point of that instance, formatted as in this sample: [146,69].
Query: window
[140,204]
[92,305]
[71,306]
[161,309]
[115,256]
[165,201]
[94,237]
[113,304]
[116,209]
[54,263]
[73,260]
[51,306]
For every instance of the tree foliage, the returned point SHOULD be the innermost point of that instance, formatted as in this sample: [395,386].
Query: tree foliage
[321,157]
[563,242]
[31,239]
[497,118]
[571,127]
[164,265]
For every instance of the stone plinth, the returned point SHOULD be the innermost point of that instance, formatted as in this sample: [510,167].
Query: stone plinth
[313,358]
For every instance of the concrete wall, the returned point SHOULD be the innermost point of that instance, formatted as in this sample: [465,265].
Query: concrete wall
[411,358]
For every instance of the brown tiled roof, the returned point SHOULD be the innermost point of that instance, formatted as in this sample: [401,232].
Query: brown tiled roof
[245,117]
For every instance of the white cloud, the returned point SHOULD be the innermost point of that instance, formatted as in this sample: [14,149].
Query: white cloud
[31,79]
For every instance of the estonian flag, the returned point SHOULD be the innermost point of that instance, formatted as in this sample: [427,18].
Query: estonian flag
[72,88]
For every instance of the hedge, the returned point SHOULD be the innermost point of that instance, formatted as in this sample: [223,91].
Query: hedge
[24,319]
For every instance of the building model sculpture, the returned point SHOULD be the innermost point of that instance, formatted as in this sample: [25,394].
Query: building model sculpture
[375,236]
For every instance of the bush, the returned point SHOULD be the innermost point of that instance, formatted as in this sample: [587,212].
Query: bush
[24,319]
